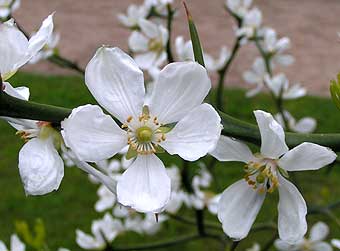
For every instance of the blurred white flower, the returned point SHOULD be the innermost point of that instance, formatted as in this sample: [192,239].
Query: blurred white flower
[336,243]
[48,50]
[276,48]
[239,7]
[255,76]
[265,171]
[7,7]
[315,242]
[16,244]
[214,65]
[93,136]
[104,231]
[304,125]
[111,168]
[184,49]
[255,247]
[148,44]
[134,14]
[149,224]
[279,85]
[250,25]
[106,200]
[40,166]
[16,50]
[160,6]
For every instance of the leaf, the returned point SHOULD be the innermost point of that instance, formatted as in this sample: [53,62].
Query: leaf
[196,44]
[335,91]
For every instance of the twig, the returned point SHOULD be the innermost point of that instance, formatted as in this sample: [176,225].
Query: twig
[169,27]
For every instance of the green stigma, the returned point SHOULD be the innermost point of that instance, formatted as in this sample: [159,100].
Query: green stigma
[144,134]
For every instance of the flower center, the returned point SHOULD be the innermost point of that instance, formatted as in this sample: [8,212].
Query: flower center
[262,174]
[144,134]
[155,45]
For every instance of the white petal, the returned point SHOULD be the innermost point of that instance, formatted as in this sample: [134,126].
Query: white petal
[145,185]
[229,149]
[3,246]
[195,135]
[307,156]
[16,243]
[116,82]
[273,143]
[284,60]
[319,232]
[21,92]
[322,246]
[138,42]
[238,208]
[13,47]
[39,39]
[180,87]
[292,209]
[91,134]
[86,241]
[305,125]
[40,166]
[147,60]
[149,28]
[336,243]
[294,92]
[286,246]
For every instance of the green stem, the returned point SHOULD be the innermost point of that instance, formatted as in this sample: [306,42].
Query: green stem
[222,74]
[169,27]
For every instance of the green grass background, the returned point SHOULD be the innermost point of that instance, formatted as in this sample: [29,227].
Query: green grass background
[71,206]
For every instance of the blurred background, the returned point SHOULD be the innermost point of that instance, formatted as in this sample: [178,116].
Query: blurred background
[312,26]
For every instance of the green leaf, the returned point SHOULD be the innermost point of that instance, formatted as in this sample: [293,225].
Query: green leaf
[196,44]
[131,153]
[335,91]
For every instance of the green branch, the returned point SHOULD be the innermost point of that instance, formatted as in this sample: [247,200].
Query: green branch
[170,17]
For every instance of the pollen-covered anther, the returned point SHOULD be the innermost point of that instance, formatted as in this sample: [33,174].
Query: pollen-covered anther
[129,119]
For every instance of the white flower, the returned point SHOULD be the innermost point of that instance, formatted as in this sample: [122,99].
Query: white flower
[7,7]
[117,83]
[276,47]
[304,125]
[48,50]
[149,224]
[16,244]
[103,230]
[184,49]
[265,171]
[315,242]
[111,168]
[40,166]
[279,85]
[106,200]
[255,76]
[134,14]
[251,23]
[149,44]
[160,6]
[212,64]
[336,243]
[239,7]
[255,247]
[16,50]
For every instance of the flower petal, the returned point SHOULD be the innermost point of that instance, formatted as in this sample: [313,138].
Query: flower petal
[40,166]
[238,208]
[322,246]
[194,135]
[273,143]
[21,92]
[180,87]
[13,46]
[305,125]
[229,149]
[292,212]
[138,42]
[307,156]
[116,82]
[281,245]
[319,231]
[145,185]
[92,135]
[16,243]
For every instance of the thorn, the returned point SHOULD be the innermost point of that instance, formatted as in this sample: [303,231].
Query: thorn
[156,217]
[187,10]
